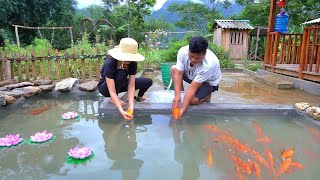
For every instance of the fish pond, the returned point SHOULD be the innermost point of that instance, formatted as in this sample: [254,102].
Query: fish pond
[206,144]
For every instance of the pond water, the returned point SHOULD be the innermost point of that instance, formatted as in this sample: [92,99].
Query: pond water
[153,146]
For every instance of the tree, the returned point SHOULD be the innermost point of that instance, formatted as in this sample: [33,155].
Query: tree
[299,11]
[35,13]
[194,16]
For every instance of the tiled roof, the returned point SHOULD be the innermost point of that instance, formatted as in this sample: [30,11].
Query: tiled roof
[315,21]
[232,24]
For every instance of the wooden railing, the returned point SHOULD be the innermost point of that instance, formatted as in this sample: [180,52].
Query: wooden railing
[52,66]
[310,51]
[285,49]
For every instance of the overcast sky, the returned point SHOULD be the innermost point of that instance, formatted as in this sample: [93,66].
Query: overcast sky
[86,3]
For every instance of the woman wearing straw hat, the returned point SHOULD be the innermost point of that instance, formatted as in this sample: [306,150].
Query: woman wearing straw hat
[115,72]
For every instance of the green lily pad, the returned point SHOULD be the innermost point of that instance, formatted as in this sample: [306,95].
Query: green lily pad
[20,143]
[49,140]
[71,160]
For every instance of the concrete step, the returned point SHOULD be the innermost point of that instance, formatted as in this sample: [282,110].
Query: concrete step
[275,81]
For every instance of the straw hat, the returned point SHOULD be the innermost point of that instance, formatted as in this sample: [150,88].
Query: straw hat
[127,50]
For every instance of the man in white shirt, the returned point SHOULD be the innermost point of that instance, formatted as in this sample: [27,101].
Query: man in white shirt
[199,67]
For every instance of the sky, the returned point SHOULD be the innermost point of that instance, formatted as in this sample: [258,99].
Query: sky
[86,3]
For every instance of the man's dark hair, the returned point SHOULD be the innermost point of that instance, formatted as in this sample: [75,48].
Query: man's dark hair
[198,45]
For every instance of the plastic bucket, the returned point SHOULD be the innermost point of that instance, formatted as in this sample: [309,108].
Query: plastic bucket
[165,73]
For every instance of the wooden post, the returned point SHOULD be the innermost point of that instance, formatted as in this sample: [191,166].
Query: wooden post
[90,64]
[57,65]
[7,68]
[41,66]
[98,65]
[275,51]
[34,68]
[302,54]
[1,69]
[66,64]
[83,69]
[49,65]
[75,67]
[26,58]
[272,15]
[257,41]
[19,66]
[17,35]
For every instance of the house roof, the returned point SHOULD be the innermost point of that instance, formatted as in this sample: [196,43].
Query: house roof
[263,31]
[231,24]
[315,21]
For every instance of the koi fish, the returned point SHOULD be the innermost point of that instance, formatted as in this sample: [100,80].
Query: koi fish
[241,164]
[210,157]
[213,128]
[40,110]
[258,129]
[296,165]
[285,165]
[239,175]
[269,155]
[263,140]
[257,170]
[175,113]
[285,154]
[259,158]
[315,133]
[130,112]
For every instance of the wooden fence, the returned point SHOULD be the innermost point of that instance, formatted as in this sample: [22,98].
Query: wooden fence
[52,66]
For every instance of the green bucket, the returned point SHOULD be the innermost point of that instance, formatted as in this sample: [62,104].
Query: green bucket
[165,72]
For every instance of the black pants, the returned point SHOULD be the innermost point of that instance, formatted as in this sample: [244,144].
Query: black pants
[121,82]
[204,90]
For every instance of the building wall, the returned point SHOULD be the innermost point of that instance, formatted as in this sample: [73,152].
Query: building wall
[217,37]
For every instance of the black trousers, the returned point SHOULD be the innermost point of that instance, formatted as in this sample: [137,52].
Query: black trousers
[121,82]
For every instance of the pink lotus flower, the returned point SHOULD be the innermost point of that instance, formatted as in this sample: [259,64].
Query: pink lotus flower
[10,140]
[69,115]
[80,152]
[41,136]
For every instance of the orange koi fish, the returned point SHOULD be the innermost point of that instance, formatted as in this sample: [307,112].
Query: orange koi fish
[296,165]
[210,158]
[40,110]
[263,140]
[287,153]
[241,164]
[175,113]
[258,129]
[269,155]
[239,175]
[257,169]
[315,133]
[259,158]
[213,128]
[285,165]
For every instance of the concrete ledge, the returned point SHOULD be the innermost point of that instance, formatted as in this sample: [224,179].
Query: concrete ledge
[204,108]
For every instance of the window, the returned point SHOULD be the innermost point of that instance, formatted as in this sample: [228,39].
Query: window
[236,37]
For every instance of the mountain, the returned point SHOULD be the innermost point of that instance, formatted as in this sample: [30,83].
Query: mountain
[173,17]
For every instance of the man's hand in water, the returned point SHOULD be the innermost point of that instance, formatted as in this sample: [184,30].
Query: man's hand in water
[176,101]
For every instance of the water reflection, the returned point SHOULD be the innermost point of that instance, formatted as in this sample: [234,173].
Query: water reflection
[188,149]
[121,143]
